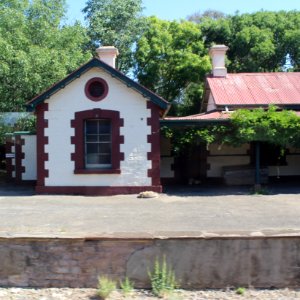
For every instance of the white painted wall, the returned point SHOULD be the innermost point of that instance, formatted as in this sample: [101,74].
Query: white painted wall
[132,107]
[292,168]
[225,156]
[166,160]
[211,105]
[29,162]
[216,149]
[230,156]
[166,167]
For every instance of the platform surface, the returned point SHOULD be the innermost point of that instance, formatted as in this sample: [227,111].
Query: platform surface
[180,212]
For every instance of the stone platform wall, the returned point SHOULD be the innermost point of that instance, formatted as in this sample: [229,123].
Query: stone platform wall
[198,263]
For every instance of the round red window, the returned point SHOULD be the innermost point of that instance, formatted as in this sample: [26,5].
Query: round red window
[96,89]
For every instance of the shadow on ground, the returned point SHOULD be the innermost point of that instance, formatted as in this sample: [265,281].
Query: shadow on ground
[10,189]
[273,188]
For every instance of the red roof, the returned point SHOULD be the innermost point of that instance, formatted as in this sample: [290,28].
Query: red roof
[214,115]
[256,89]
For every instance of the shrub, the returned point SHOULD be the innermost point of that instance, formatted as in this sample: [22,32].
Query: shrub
[240,291]
[162,279]
[126,286]
[105,287]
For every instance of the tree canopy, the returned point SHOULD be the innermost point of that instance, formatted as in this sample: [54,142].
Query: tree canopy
[36,50]
[116,23]
[171,59]
[258,42]
[37,47]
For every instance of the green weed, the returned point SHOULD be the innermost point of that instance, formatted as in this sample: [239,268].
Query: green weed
[126,286]
[105,287]
[162,279]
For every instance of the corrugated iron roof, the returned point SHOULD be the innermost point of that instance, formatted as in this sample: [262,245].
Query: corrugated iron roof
[209,116]
[250,89]
[214,115]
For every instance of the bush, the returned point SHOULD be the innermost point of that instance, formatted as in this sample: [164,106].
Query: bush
[105,287]
[240,291]
[126,286]
[162,279]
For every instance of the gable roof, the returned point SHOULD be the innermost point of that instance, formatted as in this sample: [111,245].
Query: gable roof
[96,62]
[256,89]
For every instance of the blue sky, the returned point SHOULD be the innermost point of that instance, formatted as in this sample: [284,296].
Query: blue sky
[179,9]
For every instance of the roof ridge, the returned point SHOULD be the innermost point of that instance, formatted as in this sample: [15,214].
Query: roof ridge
[96,62]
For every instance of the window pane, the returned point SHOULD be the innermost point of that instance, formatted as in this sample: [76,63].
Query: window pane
[104,138]
[96,89]
[91,126]
[92,148]
[105,148]
[92,158]
[104,159]
[92,138]
[104,126]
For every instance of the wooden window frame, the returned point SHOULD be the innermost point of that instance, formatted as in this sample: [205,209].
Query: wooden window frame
[79,141]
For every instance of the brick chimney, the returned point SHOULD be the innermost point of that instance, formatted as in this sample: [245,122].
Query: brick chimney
[218,55]
[108,54]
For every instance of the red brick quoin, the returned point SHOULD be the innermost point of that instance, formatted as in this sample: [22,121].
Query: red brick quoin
[42,140]
[9,164]
[154,140]
[19,155]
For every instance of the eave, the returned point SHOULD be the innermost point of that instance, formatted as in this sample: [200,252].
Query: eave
[97,63]
[193,123]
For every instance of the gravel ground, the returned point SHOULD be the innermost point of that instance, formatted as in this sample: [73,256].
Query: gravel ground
[90,294]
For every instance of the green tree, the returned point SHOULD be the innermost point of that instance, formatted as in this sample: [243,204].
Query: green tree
[212,14]
[171,60]
[36,50]
[258,42]
[115,23]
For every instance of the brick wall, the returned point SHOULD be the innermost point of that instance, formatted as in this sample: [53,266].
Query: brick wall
[198,262]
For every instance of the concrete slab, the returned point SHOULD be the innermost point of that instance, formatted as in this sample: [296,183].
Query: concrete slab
[199,212]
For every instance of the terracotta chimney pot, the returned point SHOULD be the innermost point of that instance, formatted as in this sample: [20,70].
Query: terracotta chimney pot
[108,54]
[218,55]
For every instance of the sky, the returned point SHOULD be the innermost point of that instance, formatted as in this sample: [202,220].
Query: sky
[180,9]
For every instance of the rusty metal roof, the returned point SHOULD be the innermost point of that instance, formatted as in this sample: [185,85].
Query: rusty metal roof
[214,115]
[252,89]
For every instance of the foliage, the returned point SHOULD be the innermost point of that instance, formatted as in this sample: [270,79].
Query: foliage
[260,191]
[105,287]
[126,286]
[240,291]
[280,128]
[4,130]
[182,138]
[172,57]
[23,124]
[36,50]
[26,124]
[162,278]
[115,23]
[171,60]
[258,42]
[212,14]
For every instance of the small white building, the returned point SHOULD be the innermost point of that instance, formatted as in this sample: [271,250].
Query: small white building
[97,133]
